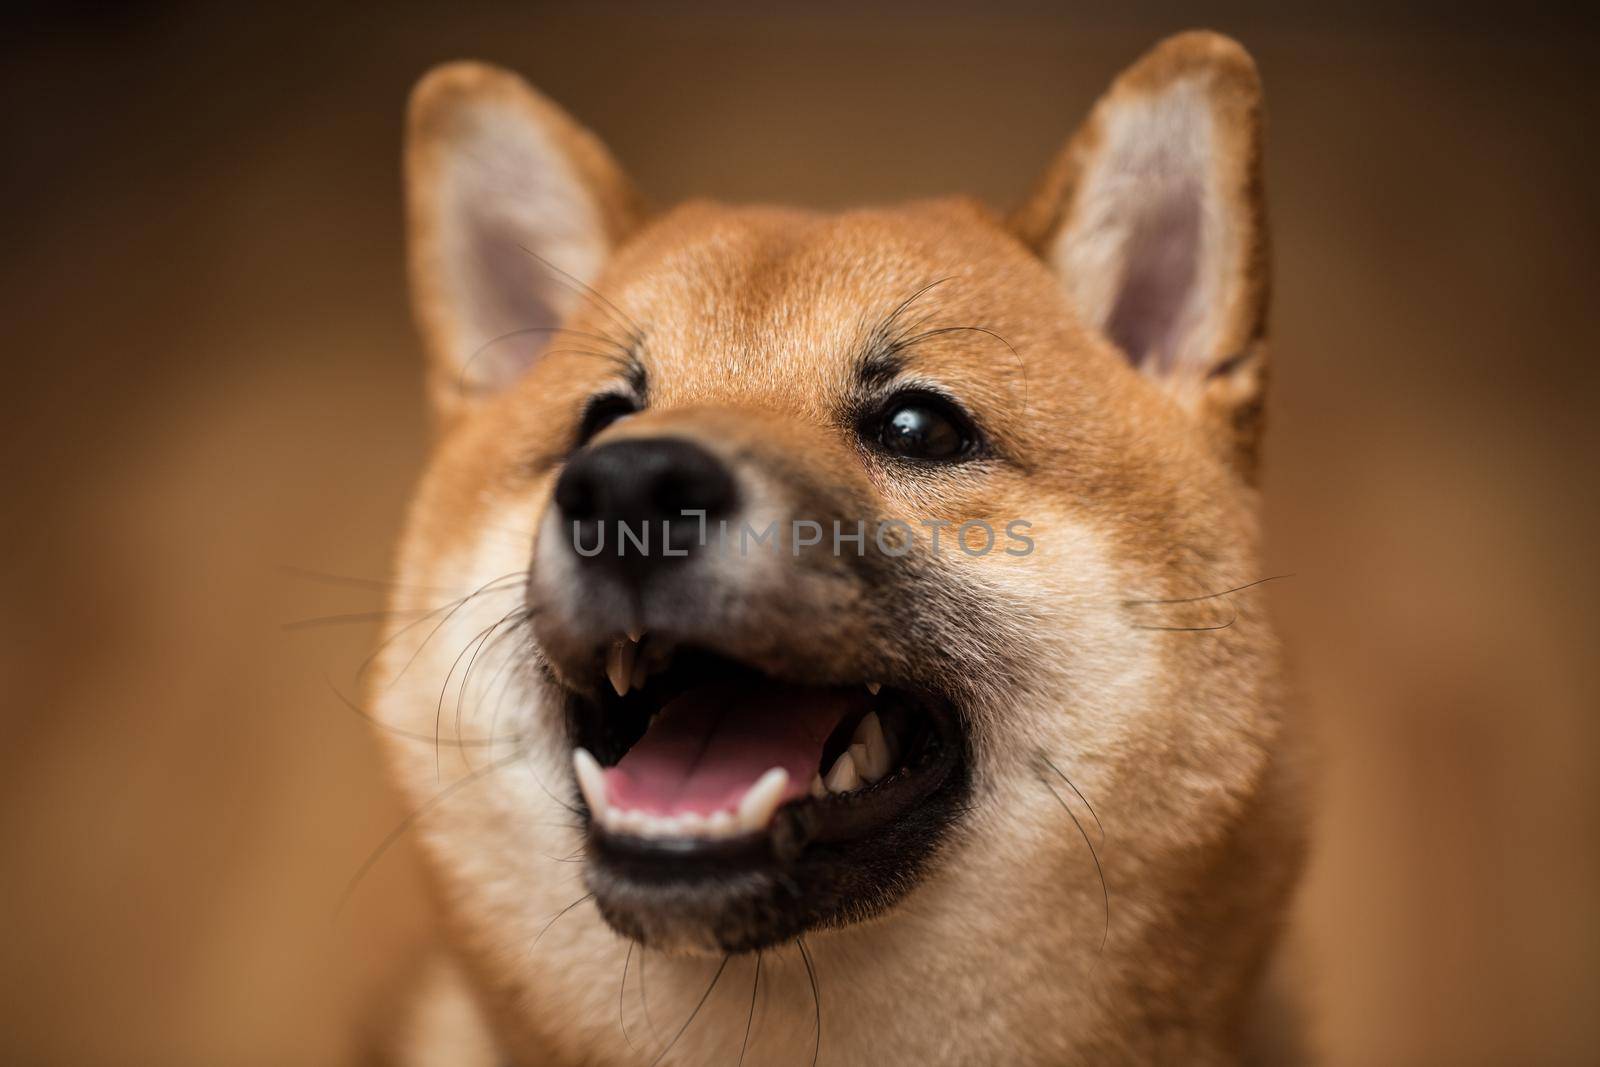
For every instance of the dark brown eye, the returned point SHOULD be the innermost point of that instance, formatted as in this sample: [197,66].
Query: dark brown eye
[601,412]
[922,426]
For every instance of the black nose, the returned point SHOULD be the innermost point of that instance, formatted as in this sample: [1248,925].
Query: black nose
[623,503]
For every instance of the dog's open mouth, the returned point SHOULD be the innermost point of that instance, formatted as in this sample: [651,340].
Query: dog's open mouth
[745,804]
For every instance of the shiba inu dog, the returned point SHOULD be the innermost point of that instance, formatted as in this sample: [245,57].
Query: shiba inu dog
[836,638]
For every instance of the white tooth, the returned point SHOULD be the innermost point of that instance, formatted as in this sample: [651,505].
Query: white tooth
[720,824]
[863,762]
[635,636]
[761,800]
[619,666]
[591,782]
[844,776]
[691,825]
[869,735]
[630,822]
[873,687]
[817,788]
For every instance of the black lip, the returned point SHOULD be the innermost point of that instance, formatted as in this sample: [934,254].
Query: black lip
[822,862]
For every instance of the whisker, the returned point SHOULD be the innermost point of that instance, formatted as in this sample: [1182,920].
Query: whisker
[345,618]
[1210,596]
[703,998]
[503,688]
[466,675]
[644,1003]
[583,288]
[894,316]
[380,584]
[581,900]
[411,820]
[1049,763]
[755,986]
[438,712]
[901,344]
[493,586]
[622,1018]
[1191,629]
[464,386]
[540,783]
[410,735]
[1098,870]
[816,999]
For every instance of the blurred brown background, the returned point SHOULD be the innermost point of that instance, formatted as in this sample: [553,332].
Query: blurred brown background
[211,380]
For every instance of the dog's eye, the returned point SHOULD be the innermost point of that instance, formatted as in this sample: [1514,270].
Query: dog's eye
[925,427]
[602,411]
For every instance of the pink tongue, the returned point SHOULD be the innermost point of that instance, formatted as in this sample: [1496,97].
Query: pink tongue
[704,749]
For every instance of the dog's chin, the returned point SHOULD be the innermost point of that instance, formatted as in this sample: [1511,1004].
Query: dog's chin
[727,809]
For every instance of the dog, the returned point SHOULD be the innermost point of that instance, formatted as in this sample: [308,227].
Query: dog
[838,638]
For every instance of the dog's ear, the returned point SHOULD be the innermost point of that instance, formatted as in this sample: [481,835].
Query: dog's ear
[1153,217]
[512,208]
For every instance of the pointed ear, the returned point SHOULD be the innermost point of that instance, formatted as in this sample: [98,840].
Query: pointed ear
[512,208]
[1153,217]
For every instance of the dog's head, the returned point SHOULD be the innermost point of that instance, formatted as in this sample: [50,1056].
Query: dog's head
[780,573]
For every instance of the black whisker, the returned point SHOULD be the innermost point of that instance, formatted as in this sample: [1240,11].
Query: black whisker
[520,617]
[410,735]
[644,1002]
[1191,629]
[411,820]
[468,388]
[901,344]
[583,288]
[816,999]
[1210,596]
[444,687]
[1094,855]
[900,309]
[622,1018]
[540,783]
[503,688]
[1101,829]
[557,918]
[755,986]
[493,586]
[345,619]
[382,585]
[703,998]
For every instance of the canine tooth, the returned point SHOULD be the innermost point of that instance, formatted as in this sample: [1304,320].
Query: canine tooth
[873,687]
[591,782]
[874,762]
[864,764]
[635,636]
[844,776]
[761,800]
[619,666]
[818,789]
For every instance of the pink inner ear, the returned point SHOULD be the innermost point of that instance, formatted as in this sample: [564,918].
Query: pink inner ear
[509,293]
[1159,271]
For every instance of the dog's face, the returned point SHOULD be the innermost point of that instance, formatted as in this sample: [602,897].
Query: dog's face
[781,574]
